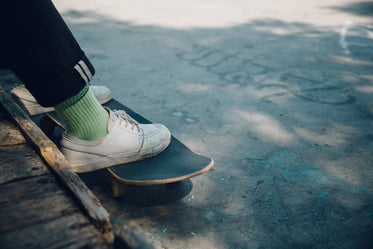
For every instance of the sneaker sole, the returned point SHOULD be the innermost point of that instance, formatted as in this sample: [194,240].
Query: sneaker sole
[95,162]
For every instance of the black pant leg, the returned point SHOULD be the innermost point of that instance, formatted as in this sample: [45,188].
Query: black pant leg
[41,50]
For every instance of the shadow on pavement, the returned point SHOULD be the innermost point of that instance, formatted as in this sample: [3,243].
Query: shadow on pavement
[285,109]
[358,8]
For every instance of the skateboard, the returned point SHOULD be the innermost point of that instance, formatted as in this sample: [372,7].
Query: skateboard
[175,164]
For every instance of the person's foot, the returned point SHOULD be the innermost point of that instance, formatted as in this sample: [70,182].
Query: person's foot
[126,141]
[24,98]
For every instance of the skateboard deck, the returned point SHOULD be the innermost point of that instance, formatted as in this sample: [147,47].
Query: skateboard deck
[176,163]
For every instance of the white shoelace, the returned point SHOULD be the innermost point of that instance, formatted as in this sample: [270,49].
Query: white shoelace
[123,116]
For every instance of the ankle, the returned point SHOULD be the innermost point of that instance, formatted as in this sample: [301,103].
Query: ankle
[84,116]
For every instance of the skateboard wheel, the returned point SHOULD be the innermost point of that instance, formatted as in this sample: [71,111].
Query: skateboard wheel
[47,125]
[117,189]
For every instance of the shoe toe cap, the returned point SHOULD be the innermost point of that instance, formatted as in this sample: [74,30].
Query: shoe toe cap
[155,134]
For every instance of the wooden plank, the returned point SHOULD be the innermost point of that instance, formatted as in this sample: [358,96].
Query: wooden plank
[19,162]
[35,187]
[33,201]
[69,231]
[131,236]
[9,134]
[56,160]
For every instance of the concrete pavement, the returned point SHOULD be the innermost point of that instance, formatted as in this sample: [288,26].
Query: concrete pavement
[278,93]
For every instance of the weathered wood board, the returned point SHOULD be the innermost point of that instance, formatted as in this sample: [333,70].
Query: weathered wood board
[19,162]
[9,135]
[35,210]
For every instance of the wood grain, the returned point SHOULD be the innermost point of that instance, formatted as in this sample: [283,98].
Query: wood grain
[68,231]
[33,201]
[9,134]
[56,160]
[131,236]
[19,162]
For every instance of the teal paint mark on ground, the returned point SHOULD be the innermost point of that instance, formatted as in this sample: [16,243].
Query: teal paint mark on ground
[285,166]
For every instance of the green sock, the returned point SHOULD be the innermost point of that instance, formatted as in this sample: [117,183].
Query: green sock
[84,116]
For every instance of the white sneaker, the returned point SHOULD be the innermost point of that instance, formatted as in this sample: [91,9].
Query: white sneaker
[24,98]
[127,141]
